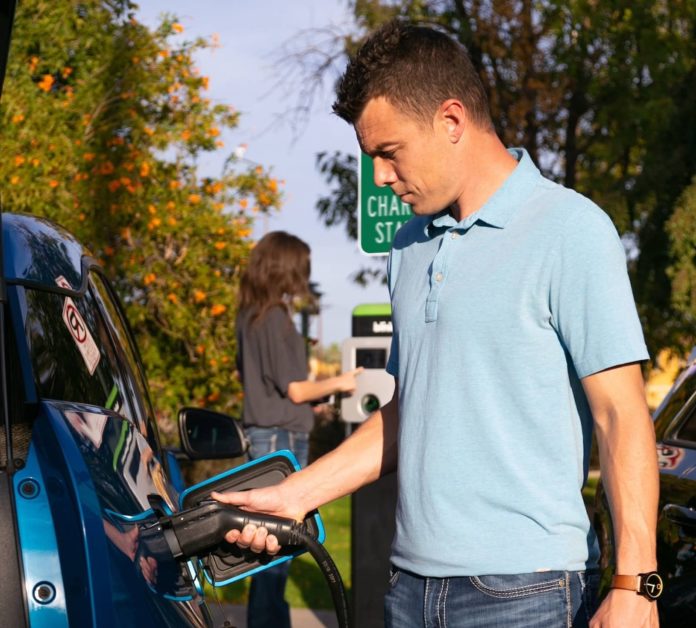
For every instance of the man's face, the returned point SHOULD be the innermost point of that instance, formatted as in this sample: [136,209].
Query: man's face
[409,155]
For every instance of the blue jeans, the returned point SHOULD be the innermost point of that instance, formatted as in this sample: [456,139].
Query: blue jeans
[550,599]
[267,606]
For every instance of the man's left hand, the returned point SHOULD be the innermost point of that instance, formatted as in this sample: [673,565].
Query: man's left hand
[625,609]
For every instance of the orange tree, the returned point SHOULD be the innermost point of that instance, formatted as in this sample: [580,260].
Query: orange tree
[103,123]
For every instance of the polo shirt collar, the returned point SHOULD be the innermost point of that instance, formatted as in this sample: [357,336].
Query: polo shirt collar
[498,209]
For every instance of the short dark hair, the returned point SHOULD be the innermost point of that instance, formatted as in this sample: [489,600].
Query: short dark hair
[414,68]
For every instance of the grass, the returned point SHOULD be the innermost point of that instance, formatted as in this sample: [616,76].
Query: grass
[307,587]
[589,490]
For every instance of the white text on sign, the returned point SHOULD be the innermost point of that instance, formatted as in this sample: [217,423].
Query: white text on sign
[387,207]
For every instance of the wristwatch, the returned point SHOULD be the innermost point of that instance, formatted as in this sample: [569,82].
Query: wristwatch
[649,584]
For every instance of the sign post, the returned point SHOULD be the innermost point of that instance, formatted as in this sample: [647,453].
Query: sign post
[380,212]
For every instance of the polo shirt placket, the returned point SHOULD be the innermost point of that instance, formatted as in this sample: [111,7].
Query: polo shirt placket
[453,237]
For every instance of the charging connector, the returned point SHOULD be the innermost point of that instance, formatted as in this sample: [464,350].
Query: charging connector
[201,530]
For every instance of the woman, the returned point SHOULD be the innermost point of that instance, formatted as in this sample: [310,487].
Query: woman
[272,363]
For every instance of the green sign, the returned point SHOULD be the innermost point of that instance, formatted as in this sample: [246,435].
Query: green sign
[380,212]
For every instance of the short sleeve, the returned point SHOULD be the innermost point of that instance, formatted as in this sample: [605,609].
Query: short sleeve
[591,301]
[284,358]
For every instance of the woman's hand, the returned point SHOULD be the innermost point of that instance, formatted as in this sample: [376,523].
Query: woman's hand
[345,382]
[301,392]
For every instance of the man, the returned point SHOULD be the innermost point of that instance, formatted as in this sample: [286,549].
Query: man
[514,330]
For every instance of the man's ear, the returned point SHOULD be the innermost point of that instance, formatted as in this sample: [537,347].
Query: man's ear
[452,115]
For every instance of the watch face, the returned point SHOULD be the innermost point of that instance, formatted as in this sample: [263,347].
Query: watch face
[651,585]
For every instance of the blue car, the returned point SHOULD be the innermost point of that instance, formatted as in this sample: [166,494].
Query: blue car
[96,526]
[84,474]
[94,512]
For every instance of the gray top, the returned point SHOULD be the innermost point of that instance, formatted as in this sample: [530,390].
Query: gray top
[270,355]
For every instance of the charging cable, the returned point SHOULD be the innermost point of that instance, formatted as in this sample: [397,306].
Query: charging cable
[200,530]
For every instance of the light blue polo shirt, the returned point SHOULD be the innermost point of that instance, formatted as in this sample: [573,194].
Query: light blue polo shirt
[495,320]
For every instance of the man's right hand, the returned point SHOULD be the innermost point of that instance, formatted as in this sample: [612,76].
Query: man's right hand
[365,455]
[270,501]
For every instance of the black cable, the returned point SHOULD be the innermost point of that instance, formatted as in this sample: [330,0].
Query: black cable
[332,575]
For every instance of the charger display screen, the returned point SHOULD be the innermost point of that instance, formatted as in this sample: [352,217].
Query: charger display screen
[371,358]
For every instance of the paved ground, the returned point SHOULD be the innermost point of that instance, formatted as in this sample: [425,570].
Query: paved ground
[301,617]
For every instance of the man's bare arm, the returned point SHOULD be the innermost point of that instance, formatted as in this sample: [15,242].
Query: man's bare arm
[628,462]
[367,454]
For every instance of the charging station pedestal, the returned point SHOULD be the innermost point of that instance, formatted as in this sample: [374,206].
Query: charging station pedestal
[372,507]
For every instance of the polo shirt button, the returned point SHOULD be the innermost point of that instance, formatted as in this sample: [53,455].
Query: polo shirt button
[455,235]
[439,277]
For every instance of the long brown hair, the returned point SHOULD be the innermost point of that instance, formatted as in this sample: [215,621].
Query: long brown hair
[278,268]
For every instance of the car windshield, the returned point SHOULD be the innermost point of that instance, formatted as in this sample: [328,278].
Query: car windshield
[687,430]
[674,402]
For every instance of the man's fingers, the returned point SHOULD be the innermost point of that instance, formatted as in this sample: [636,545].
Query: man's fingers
[247,536]
[232,536]
[258,543]
[256,539]
[235,499]
[272,546]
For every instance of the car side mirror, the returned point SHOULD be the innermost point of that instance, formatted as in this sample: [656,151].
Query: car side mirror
[208,435]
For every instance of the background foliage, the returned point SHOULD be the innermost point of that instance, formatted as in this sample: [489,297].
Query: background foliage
[104,121]
[603,96]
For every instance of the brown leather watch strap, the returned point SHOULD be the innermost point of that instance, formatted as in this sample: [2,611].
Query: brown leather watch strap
[632,583]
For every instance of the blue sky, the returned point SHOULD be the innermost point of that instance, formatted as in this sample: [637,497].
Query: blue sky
[242,73]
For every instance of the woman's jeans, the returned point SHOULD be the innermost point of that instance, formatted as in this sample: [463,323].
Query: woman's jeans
[550,599]
[267,606]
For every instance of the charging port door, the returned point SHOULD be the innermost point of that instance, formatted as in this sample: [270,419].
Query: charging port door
[230,562]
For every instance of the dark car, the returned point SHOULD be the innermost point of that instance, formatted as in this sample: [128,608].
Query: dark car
[675,428]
